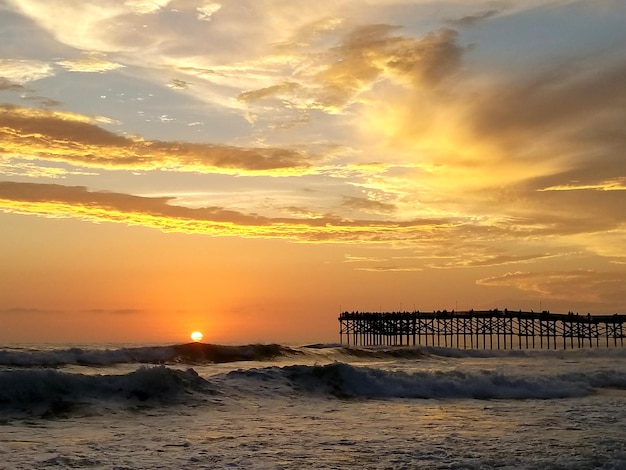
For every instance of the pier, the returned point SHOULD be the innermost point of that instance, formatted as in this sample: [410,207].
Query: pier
[481,329]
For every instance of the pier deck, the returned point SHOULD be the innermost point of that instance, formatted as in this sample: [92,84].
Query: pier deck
[481,329]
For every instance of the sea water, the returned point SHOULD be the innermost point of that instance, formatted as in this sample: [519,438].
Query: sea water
[199,406]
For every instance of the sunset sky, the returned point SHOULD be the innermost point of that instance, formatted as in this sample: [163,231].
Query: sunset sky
[249,168]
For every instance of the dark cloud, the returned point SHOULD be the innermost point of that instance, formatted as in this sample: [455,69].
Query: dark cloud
[431,59]
[6,85]
[367,205]
[32,126]
[43,101]
[565,125]
[584,103]
[369,52]
[473,20]
[269,92]
[178,84]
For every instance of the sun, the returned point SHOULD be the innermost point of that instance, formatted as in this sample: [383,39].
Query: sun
[197,336]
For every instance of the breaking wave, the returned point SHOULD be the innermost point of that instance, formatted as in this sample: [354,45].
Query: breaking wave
[48,392]
[53,393]
[347,381]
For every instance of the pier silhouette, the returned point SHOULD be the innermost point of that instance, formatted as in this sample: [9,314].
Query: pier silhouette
[481,329]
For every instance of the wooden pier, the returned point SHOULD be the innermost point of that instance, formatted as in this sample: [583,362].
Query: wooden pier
[484,329]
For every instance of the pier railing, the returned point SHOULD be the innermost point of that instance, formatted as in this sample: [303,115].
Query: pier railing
[486,329]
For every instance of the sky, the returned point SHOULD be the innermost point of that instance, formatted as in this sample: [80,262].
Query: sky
[250,168]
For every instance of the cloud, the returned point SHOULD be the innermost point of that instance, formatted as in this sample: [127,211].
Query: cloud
[57,201]
[538,154]
[489,259]
[91,62]
[617,184]
[362,259]
[116,311]
[177,84]
[24,71]
[273,91]
[367,205]
[473,20]
[336,77]
[576,286]
[302,55]
[452,243]
[12,167]
[206,11]
[490,156]
[146,6]
[397,269]
[79,24]
[27,311]
[564,102]
[6,85]
[65,137]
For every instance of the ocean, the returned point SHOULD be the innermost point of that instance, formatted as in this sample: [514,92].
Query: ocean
[202,406]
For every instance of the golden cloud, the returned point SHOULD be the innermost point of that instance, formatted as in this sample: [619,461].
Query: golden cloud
[334,79]
[35,134]
[23,71]
[90,62]
[57,201]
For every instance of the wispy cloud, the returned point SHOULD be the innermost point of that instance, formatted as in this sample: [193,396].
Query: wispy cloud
[21,71]
[18,311]
[335,78]
[474,19]
[116,311]
[92,62]
[13,167]
[580,285]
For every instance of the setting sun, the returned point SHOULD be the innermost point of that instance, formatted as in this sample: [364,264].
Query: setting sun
[197,336]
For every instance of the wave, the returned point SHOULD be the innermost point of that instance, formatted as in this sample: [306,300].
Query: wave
[50,393]
[203,353]
[190,353]
[347,381]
